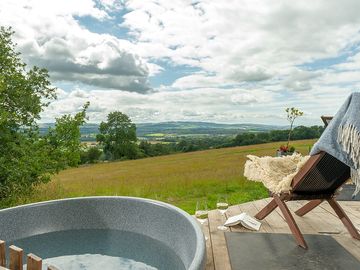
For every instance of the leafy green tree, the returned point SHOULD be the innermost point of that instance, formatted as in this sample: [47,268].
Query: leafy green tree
[64,139]
[278,135]
[146,148]
[182,145]
[118,137]
[26,158]
[263,137]
[91,155]
[245,138]
[24,93]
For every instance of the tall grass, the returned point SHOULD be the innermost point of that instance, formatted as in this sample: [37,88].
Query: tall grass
[179,179]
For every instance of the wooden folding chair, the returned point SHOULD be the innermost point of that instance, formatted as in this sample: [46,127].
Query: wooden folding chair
[316,181]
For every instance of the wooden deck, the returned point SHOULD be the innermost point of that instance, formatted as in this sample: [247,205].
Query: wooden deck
[321,220]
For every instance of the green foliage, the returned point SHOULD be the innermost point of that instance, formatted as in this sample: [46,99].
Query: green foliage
[299,133]
[157,149]
[293,113]
[291,149]
[118,137]
[64,139]
[177,179]
[24,93]
[91,155]
[27,158]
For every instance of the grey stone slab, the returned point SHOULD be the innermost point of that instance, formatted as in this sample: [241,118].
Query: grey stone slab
[279,251]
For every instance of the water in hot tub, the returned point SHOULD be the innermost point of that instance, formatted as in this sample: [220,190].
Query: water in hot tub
[100,250]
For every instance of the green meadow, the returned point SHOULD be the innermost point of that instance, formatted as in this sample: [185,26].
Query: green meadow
[178,179]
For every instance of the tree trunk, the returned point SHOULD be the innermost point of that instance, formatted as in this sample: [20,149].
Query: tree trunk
[289,137]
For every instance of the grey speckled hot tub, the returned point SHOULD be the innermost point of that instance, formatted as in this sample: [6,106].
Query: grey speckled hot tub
[92,225]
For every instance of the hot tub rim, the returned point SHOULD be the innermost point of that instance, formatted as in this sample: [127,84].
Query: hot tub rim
[199,257]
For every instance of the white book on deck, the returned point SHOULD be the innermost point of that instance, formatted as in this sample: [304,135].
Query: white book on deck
[244,220]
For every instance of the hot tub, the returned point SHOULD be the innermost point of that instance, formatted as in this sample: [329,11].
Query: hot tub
[106,233]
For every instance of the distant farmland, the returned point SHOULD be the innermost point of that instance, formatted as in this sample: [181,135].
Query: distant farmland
[149,131]
[179,179]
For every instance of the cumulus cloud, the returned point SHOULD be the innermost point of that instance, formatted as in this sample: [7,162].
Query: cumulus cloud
[243,40]
[197,81]
[79,94]
[299,80]
[209,104]
[244,98]
[252,58]
[49,36]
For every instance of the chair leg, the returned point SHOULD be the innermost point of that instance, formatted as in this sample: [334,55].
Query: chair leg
[266,210]
[308,207]
[344,218]
[291,222]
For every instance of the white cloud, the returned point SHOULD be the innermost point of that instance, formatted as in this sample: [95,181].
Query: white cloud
[243,40]
[299,80]
[209,104]
[244,98]
[197,81]
[48,35]
[112,5]
[252,56]
[79,94]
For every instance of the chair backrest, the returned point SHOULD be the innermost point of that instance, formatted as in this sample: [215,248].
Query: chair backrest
[326,119]
[322,174]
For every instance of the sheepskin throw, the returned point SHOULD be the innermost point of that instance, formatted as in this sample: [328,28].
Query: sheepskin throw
[276,173]
[341,138]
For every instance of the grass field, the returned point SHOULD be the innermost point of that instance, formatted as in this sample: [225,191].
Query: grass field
[179,179]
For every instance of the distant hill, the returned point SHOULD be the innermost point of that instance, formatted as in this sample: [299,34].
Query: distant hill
[88,128]
[199,128]
[177,128]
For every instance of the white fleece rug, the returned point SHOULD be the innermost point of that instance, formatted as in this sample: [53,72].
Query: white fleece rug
[276,173]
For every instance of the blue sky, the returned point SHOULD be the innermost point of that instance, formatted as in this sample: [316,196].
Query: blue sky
[235,61]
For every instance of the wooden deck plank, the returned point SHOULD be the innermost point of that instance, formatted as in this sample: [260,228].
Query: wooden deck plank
[350,244]
[275,219]
[208,242]
[354,211]
[232,211]
[323,222]
[220,252]
[305,226]
[353,214]
[251,209]
[322,219]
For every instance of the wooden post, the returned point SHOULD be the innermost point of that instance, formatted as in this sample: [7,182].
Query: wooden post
[16,258]
[51,267]
[2,254]
[33,262]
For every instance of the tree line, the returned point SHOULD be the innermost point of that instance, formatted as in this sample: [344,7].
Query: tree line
[117,141]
